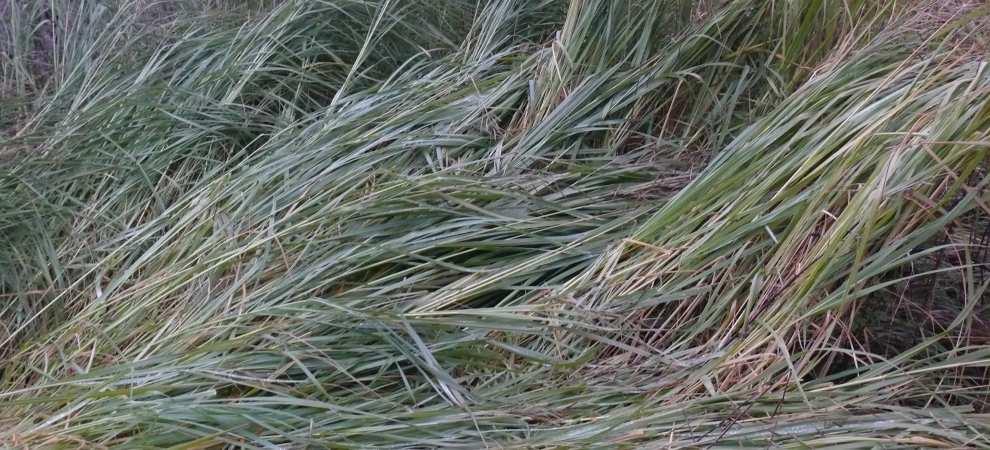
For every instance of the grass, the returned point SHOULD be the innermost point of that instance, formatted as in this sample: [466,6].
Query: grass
[503,223]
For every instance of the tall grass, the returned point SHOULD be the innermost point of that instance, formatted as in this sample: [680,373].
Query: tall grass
[504,223]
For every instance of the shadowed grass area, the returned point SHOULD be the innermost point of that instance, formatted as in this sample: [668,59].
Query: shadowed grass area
[501,223]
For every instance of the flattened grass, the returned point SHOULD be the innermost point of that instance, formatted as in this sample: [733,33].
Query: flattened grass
[501,223]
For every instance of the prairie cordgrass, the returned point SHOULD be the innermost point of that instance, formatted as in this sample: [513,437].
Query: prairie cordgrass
[498,223]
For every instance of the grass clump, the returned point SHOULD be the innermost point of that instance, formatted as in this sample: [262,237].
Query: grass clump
[504,223]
